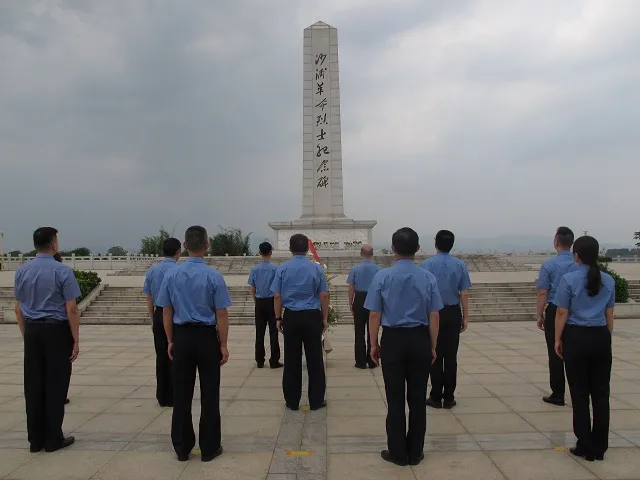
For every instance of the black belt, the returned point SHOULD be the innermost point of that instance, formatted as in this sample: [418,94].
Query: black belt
[39,321]
[405,327]
[457,305]
[194,325]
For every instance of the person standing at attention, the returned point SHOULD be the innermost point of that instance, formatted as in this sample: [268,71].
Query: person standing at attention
[550,274]
[359,279]
[58,258]
[454,283]
[260,280]
[585,300]
[301,289]
[404,299]
[47,313]
[194,300]
[171,248]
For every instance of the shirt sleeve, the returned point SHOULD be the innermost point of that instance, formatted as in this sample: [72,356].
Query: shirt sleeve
[276,285]
[435,300]
[351,280]
[612,298]
[324,285]
[465,281]
[373,303]
[562,298]
[544,278]
[164,296]
[17,283]
[252,278]
[146,288]
[221,298]
[70,287]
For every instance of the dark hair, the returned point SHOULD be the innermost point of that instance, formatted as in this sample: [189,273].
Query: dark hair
[366,250]
[171,246]
[57,257]
[405,242]
[444,240]
[43,238]
[565,237]
[298,244]
[587,248]
[265,248]
[196,238]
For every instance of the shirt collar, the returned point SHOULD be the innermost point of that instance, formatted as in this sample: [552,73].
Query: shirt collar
[195,260]
[266,261]
[43,255]
[404,260]
[170,260]
[565,252]
[443,253]
[300,256]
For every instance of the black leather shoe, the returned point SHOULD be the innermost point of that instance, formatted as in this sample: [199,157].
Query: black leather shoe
[35,448]
[66,401]
[360,366]
[599,457]
[417,460]
[449,404]
[550,399]
[431,402]
[318,407]
[183,458]
[291,407]
[578,452]
[386,456]
[276,365]
[372,365]
[260,364]
[63,444]
[208,458]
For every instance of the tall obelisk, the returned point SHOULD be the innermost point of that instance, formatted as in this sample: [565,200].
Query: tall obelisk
[323,219]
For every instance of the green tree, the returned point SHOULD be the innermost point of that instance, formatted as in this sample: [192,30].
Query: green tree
[117,251]
[15,253]
[32,253]
[636,236]
[230,241]
[80,252]
[153,245]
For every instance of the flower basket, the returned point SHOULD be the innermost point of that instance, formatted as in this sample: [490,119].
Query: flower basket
[334,315]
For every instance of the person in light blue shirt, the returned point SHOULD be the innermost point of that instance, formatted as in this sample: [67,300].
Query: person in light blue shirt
[454,283]
[405,300]
[301,289]
[195,299]
[548,280]
[585,301]
[171,248]
[45,291]
[359,280]
[260,279]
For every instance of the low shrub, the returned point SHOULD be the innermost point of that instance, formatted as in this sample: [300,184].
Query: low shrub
[622,286]
[604,259]
[87,282]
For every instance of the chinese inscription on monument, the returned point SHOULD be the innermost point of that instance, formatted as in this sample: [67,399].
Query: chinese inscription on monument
[321,107]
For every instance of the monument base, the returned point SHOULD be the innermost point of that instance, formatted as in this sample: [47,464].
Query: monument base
[332,237]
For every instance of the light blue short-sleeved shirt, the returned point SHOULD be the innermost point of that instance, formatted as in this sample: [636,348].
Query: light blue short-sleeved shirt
[360,275]
[261,277]
[300,282]
[585,311]
[43,286]
[155,276]
[404,294]
[195,291]
[452,276]
[552,271]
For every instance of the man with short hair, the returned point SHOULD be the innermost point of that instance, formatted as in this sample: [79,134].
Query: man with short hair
[548,280]
[260,280]
[404,299]
[359,280]
[301,290]
[194,300]
[171,248]
[454,283]
[47,313]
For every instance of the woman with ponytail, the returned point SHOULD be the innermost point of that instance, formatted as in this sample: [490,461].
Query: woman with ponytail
[584,323]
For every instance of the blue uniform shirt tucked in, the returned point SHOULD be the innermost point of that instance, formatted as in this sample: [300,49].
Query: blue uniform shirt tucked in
[261,277]
[552,271]
[300,282]
[360,275]
[195,291]
[452,276]
[585,311]
[405,294]
[43,286]
[155,276]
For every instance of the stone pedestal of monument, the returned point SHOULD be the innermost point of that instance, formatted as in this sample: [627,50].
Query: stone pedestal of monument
[323,219]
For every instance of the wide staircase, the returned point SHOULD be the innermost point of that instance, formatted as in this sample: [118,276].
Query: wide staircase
[6,300]
[335,265]
[634,290]
[488,303]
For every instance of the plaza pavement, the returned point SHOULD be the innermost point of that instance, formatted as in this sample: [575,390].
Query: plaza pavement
[500,428]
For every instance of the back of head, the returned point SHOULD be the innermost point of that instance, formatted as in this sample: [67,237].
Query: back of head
[171,247]
[44,238]
[587,249]
[405,242]
[445,240]
[366,251]
[196,239]
[265,249]
[564,237]
[299,244]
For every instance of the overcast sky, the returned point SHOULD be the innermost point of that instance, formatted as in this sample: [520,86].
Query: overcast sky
[485,117]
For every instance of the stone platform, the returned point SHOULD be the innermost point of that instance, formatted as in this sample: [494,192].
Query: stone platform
[500,428]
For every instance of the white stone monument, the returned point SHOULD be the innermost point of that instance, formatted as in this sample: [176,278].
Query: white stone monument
[323,219]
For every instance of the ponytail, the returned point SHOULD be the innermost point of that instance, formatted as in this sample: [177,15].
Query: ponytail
[594,280]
